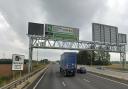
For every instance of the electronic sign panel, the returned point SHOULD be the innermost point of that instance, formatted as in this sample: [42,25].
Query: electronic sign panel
[107,34]
[102,38]
[114,34]
[104,33]
[35,28]
[96,32]
[122,38]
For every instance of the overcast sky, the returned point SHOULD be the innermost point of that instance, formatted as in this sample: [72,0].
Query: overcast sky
[15,15]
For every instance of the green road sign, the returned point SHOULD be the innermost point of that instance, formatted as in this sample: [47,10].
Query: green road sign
[61,33]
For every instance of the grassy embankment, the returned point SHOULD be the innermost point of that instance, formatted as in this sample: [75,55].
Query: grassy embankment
[13,75]
[115,66]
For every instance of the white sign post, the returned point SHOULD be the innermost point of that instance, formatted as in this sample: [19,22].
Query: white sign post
[17,62]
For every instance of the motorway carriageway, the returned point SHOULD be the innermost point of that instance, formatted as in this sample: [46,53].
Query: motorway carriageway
[52,79]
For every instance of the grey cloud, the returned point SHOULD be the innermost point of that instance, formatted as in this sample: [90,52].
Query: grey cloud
[71,12]
[64,12]
[76,13]
[19,12]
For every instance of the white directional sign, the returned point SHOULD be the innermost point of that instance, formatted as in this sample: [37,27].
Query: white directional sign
[104,33]
[17,62]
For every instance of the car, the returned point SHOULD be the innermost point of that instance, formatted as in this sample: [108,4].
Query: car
[100,67]
[81,70]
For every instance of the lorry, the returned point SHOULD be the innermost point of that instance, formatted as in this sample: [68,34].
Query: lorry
[68,63]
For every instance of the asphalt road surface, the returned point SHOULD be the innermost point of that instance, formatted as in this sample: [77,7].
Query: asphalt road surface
[54,80]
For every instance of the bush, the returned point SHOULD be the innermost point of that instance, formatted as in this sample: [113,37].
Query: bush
[5,61]
[3,79]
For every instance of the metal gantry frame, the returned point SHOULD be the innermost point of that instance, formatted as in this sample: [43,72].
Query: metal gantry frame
[47,43]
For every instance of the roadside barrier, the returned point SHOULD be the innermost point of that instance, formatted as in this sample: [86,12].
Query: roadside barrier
[22,79]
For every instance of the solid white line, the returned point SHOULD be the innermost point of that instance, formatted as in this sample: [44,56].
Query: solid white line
[63,84]
[40,80]
[86,80]
[109,79]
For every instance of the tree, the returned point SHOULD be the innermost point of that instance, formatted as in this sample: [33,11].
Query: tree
[84,57]
[93,57]
[5,61]
[45,61]
[102,58]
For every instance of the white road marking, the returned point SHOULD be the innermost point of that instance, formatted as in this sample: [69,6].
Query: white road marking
[86,80]
[109,79]
[63,84]
[39,80]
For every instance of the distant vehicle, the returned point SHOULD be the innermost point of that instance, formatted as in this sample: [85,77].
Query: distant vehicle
[100,67]
[68,63]
[81,70]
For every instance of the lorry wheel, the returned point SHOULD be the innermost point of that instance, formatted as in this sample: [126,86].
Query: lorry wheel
[73,74]
[60,70]
[65,74]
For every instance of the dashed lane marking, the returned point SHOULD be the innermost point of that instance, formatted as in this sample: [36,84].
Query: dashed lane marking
[86,80]
[63,84]
[39,80]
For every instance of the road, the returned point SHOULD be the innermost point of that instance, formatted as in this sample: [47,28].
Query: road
[54,80]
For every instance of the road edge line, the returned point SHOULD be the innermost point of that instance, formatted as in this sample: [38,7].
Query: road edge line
[109,79]
[39,80]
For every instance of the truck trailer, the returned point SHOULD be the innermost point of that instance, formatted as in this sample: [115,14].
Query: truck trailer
[68,63]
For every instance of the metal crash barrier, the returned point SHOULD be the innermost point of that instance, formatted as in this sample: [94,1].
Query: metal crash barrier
[22,79]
